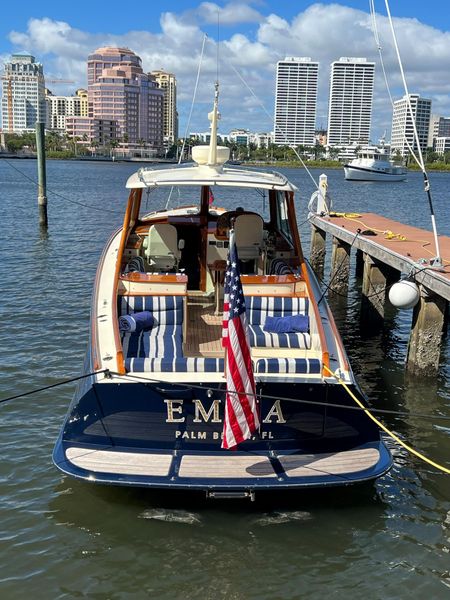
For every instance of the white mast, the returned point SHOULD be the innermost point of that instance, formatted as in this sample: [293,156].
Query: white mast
[214,116]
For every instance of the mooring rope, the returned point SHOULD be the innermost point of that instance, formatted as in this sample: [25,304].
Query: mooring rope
[53,385]
[109,374]
[384,428]
[360,406]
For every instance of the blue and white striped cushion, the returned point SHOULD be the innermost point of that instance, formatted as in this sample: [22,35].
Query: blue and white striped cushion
[280,267]
[161,340]
[165,309]
[165,338]
[181,365]
[259,338]
[287,365]
[259,307]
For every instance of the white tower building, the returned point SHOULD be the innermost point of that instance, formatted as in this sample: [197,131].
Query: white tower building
[60,107]
[350,104]
[295,101]
[402,123]
[23,94]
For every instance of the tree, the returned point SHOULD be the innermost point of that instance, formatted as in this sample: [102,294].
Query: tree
[53,141]
[319,151]
[333,152]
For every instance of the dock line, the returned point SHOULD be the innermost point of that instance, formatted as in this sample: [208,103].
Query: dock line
[385,429]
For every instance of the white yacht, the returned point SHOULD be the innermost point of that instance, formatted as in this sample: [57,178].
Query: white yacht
[150,411]
[373,164]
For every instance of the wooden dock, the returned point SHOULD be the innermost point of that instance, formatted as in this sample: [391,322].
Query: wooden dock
[386,249]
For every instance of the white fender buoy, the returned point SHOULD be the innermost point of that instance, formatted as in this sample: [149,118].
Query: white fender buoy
[404,294]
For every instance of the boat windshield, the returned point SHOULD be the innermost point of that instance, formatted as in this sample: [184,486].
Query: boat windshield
[219,197]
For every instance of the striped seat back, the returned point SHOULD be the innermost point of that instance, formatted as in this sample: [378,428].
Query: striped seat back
[259,307]
[166,310]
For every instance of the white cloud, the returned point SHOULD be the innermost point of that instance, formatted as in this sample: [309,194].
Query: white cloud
[231,14]
[323,32]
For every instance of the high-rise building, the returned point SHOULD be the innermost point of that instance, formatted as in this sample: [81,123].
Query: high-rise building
[61,107]
[350,103]
[125,104]
[439,127]
[168,83]
[402,123]
[441,144]
[23,94]
[295,101]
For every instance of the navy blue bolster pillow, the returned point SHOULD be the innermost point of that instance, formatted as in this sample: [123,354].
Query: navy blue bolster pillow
[136,322]
[289,324]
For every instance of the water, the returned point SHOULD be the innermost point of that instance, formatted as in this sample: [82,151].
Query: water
[65,539]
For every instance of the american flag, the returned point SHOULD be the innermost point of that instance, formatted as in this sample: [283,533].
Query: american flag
[241,408]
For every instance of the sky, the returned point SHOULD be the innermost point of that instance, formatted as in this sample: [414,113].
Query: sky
[245,41]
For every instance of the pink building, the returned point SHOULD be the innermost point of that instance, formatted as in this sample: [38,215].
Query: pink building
[125,104]
[88,130]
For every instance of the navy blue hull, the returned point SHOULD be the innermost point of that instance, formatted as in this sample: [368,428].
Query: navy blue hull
[170,422]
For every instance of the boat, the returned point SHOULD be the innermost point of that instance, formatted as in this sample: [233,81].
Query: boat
[149,408]
[373,164]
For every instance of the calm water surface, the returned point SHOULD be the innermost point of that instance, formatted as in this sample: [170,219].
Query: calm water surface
[64,539]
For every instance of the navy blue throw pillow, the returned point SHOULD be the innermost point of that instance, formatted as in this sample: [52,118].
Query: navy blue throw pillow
[289,324]
[136,322]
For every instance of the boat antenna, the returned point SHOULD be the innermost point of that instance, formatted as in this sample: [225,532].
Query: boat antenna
[437,261]
[188,123]
[218,43]
[214,115]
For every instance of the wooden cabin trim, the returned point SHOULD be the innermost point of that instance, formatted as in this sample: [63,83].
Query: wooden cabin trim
[293,226]
[134,202]
[138,277]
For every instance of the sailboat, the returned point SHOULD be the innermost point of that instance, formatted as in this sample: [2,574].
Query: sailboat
[150,411]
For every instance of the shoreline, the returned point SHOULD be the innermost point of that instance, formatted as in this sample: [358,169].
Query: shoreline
[314,164]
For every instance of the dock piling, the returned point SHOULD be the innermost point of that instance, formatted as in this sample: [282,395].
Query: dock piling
[359,265]
[426,334]
[318,251]
[42,183]
[340,266]
[377,277]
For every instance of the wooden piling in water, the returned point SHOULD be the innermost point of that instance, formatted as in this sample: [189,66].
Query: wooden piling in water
[318,251]
[42,179]
[377,278]
[340,266]
[359,268]
[426,334]
[373,294]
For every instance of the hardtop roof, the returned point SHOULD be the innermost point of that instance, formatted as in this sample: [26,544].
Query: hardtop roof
[207,175]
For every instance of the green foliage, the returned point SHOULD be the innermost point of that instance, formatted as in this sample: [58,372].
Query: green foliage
[63,154]
[15,142]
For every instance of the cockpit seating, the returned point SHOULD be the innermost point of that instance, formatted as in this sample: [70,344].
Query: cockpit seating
[161,247]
